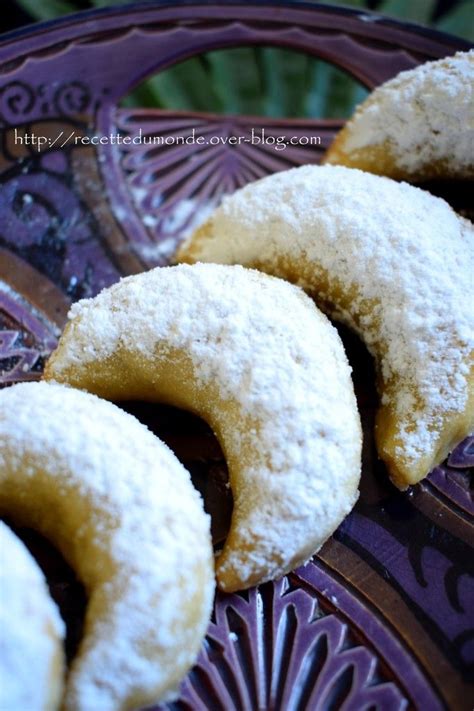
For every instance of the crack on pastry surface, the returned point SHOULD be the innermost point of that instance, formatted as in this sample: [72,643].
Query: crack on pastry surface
[253,357]
[389,260]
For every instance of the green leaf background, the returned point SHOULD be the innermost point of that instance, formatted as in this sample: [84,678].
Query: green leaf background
[266,81]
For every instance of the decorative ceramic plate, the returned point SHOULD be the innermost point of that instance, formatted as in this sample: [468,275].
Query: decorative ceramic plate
[382,618]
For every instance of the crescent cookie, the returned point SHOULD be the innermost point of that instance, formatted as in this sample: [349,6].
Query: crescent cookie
[32,632]
[123,512]
[389,260]
[417,126]
[253,357]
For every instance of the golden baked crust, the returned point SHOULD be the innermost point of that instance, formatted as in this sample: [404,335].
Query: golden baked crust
[389,260]
[417,126]
[253,356]
[123,512]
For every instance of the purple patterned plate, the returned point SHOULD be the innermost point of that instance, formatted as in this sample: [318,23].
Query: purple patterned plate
[382,617]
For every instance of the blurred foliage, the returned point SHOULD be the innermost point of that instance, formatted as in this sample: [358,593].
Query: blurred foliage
[263,80]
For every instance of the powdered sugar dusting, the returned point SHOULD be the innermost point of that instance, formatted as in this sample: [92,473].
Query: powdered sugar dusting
[391,245]
[294,442]
[32,630]
[426,115]
[145,525]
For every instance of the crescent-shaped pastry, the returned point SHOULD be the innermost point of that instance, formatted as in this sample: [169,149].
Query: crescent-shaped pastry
[253,357]
[32,632]
[417,126]
[389,260]
[122,510]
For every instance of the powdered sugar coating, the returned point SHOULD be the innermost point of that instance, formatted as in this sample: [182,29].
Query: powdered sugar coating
[123,510]
[402,256]
[270,374]
[425,115]
[32,631]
